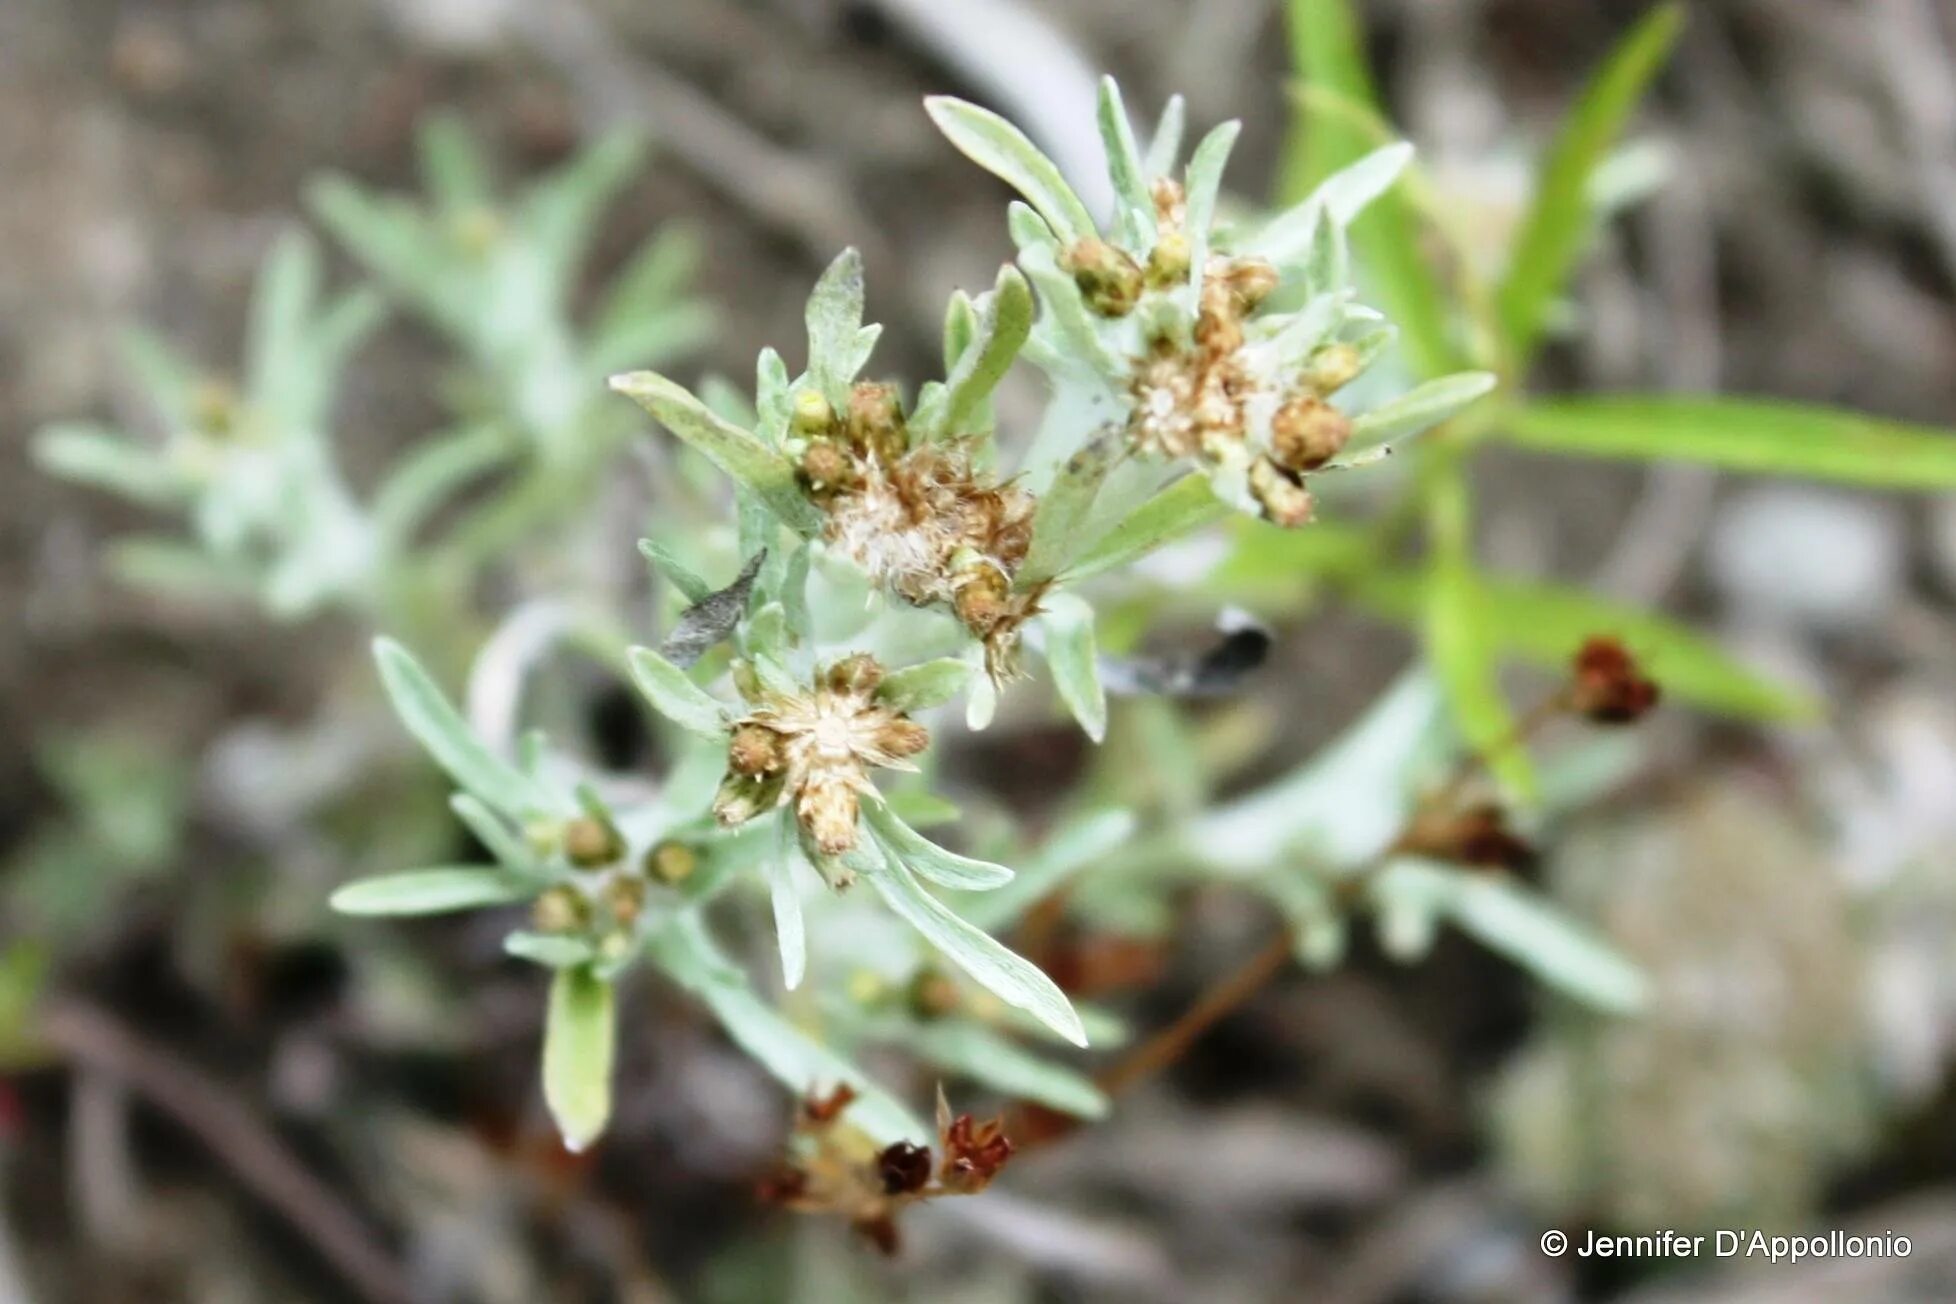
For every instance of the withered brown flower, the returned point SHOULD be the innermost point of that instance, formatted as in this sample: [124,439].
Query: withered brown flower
[815,750]
[1608,685]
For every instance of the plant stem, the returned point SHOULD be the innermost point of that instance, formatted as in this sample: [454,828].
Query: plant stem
[1223,997]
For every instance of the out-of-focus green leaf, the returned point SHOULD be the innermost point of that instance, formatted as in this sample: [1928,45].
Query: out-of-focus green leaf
[1558,223]
[1749,435]
[550,950]
[1328,51]
[93,456]
[441,730]
[452,164]
[1003,150]
[926,684]
[739,453]
[1420,408]
[983,1056]
[784,895]
[433,891]
[579,1043]
[433,471]
[1075,661]
[1203,185]
[1063,510]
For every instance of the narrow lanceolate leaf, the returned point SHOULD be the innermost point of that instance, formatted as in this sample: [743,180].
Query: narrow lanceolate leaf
[1531,932]
[1422,407]
[1552,237]
[433,891]
[925,857]
[677,573]
[93,456]
[675,696]
[440,729]
[494,833]
[1747,435]
[1328,51]
[579,1044]
[926,684]
[835,319]
[1063,513]
[785,896]
[551,950]
[1002,332]
[1003,150]
[1131,180]
[1010,977]
[1075,661]
[1185,506]
[985,1057]
[1204,186]
[1342,196]
[739,453]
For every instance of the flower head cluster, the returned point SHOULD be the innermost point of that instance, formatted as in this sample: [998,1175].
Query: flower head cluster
[842,1171]
[918,516]
[814,750]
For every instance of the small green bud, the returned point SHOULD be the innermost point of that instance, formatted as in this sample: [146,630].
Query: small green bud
[1110,280]
[813,414]
[1332,368]
[1168,262]
[672,863]
[559,910]
[590,842]
[615,947]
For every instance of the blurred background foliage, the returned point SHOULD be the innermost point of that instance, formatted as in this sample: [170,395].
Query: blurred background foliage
[188,782]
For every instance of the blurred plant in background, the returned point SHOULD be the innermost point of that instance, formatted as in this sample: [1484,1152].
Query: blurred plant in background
[1209,367]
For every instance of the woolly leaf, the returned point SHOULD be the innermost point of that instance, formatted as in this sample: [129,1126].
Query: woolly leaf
[1003,150]
[675,696]
[433,891]
[739,453]
[579,1043]
[441,730]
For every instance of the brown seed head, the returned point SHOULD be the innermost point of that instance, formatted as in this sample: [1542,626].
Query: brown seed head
[1608,686]
[1307,432]
[973,1154]
[741,798]
[904,1168]
[827,809]
[1476,835]
[1251,281]
[754,749]
[1284,500]
[983,599]
[590,842]
[859,675]
[826,467]
[876,421]
[1110,280]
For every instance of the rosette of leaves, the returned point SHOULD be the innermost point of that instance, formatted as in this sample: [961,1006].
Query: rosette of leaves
[249,462]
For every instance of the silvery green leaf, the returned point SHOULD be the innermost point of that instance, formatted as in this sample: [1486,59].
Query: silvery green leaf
[1004,324]
[430,474]
[560,212]
[960,328]
[1010,977]
[980,1054]
[709,620]
[1420,408]
[1070,651]
[865,346]
[739,453]
[1185,506]
[1080,347]
[433,891]
[440,729]
[281,306]
[835,318]
[1078,844]
[677,573]
[1508,919]
[675,696]
[784,894]
[453,168]
[493,833]
[550,950]
[1029,230]
[1003,150]
[1131,182]
[926,684]
[980,704]
[911,848]
[1327,265]
[1342,196]
[167,380]
[775,675]
[684,952]
[91,455]
[1204,187]
[1166,148]
[579,1042]
[1317,919]
[1062,515]
[774,395]
[1346,803]
[178,569]
[921,808]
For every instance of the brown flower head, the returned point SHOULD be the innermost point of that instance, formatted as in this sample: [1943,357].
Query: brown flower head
[1476,834]
[1607,684]
[973,1153]
[815,750]
[905,1168]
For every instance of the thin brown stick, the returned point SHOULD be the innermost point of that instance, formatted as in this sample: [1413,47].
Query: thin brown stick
[217,1116]
[1226,995]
